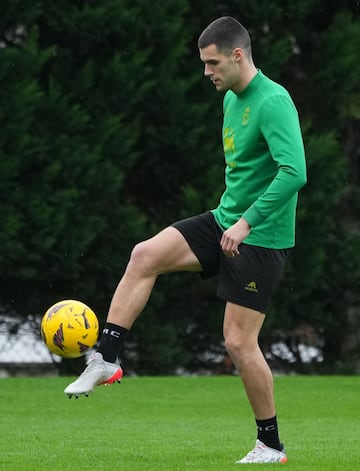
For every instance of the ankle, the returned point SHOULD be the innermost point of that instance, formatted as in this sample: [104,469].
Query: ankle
[268,433]
[112,340]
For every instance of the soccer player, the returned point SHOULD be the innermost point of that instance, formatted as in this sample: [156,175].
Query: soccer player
[244,241]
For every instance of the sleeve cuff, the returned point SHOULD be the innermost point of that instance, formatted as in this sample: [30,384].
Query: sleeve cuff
[252,216]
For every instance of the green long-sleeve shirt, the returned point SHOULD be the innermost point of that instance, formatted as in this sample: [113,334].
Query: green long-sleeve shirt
[265,163]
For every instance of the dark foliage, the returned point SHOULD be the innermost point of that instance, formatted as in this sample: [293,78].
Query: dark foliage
[110,132]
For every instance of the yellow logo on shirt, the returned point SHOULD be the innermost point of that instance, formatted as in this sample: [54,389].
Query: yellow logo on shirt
[229,140]
[245,116]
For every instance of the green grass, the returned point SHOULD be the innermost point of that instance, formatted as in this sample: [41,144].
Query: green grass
[173,424]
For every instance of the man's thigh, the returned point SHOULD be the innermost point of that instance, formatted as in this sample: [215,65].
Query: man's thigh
[167,252]
[203,235]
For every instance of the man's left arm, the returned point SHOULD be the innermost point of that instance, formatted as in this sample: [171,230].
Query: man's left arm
[280,126]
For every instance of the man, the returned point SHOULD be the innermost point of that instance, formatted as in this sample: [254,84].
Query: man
[245,241]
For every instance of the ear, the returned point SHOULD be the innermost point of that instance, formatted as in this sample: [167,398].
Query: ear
[238,54]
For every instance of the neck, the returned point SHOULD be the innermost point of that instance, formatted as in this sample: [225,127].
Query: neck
[246,75]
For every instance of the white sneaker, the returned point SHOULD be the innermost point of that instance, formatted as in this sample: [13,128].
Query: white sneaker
[97,372]
[263,454]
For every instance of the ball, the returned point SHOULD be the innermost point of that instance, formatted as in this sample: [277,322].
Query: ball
[69,328]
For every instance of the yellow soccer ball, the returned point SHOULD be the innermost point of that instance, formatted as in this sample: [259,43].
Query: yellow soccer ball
[69,328]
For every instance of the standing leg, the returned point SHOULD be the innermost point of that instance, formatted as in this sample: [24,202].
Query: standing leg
[241,331]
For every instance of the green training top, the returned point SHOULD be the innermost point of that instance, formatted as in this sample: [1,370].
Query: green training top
[265,163]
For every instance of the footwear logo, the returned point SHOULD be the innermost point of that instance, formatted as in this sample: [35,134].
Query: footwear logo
[251,287]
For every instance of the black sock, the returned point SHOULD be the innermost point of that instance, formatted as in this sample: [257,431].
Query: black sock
[268,433]
[112,340]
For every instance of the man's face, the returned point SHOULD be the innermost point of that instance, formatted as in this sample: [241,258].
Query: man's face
[220,68]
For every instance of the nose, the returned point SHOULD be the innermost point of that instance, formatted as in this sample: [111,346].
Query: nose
[207,70]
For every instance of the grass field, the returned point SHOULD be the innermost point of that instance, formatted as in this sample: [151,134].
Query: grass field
[173,424]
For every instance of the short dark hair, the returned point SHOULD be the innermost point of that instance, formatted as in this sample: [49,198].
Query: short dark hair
[226,33]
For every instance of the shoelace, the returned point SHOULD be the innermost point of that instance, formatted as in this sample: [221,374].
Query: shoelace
[91,360]
[255,452]
[92,365]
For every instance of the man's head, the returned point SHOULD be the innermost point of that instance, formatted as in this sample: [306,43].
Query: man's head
[225,49]
[226,34]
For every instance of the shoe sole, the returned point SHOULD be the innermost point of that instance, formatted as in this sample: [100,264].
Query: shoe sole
[282,460]
[115,377]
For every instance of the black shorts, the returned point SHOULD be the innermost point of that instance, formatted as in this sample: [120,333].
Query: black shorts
[248,279]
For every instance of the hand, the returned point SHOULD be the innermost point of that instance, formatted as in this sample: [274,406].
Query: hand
[232,237]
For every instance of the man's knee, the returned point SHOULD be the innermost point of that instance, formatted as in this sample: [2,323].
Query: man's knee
[241,330]
[234,345]
[142,257]
[241,347]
